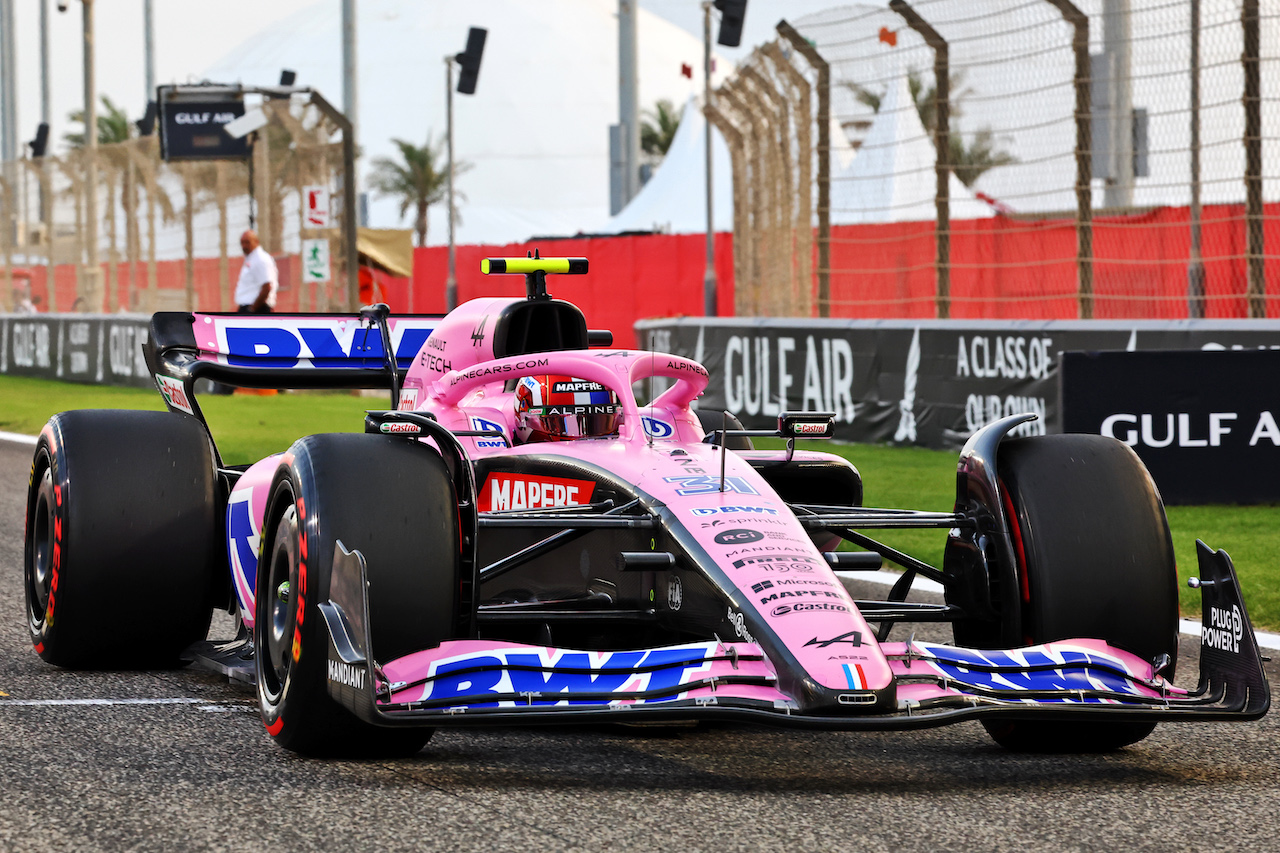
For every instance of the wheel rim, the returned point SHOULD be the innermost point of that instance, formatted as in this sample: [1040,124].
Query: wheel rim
[279,614]
[39,557]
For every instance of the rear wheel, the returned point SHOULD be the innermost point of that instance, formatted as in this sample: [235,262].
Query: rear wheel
[1094,559]
[712,421]
[122,538]
[395,503]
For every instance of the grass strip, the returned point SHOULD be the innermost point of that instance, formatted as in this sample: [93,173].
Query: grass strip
[248,428]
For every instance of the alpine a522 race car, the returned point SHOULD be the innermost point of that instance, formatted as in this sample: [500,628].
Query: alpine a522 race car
[520,541]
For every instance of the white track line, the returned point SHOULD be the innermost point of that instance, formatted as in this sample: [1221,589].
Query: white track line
[1187,626]
[42,703]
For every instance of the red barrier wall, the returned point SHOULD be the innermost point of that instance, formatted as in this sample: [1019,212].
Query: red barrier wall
[630,278]
[1026,269]
[1001,268]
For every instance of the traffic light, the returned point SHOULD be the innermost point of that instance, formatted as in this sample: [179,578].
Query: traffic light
[147,124]
[469,60]
[732,15]
[41,142]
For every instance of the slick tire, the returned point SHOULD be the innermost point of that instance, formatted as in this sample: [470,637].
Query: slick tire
[392,501]
[712,421]
[122,539]
[1094,559]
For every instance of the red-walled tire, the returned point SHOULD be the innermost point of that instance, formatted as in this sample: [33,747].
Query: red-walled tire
[392,501]
[122,539]
[1095,559]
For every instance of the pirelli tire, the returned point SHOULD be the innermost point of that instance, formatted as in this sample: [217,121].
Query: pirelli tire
[123,539]
[393,501]
[1094,559]
[712,421]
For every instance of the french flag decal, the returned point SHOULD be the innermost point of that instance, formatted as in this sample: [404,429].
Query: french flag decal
[856,677]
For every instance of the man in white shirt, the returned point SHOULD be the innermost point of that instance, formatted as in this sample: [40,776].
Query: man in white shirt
[256,289]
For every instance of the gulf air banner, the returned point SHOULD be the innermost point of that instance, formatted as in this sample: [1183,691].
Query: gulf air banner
[927,383]
[1204,423]
[99,350]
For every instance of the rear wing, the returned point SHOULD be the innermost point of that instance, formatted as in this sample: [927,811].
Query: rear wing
[277,351]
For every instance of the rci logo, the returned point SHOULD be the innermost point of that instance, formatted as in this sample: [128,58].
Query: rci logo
[738,537]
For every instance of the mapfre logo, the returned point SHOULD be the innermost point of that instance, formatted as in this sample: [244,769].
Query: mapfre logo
[504,491]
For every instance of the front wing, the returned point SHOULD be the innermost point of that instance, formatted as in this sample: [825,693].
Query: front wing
[478,682]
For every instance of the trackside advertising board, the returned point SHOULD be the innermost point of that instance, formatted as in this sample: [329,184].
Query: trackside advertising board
[1204,423]
[929,382]
[96,349]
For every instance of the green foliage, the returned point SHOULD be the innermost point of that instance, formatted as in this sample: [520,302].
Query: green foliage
[113,125]
[245,428]
[968,159]
[657,129]
[419,179]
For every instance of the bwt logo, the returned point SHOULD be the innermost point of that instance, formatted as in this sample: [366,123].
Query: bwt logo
[552,677]
[322,346]
[729,510]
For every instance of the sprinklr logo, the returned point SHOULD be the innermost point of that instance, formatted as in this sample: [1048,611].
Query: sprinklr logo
[1225,629]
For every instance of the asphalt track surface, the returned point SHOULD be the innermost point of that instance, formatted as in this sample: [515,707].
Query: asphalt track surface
[179,760]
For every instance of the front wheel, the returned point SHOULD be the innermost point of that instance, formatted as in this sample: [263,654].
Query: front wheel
[122,539]
[394,502]
[1094,559]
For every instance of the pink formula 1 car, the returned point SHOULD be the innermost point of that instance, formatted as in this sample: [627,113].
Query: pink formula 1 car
[521,541]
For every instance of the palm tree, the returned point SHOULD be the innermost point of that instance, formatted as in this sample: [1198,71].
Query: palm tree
[114,128]
[418,178]
[113,125]
[657,129]
[968,161]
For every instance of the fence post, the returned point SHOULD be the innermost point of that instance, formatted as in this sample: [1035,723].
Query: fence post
[46,213]
[756,191]
[942,144]
[824,161]
[1195,266]
[1257,293]
[782,218]
[6,240]
[1084,167]
[737,160]
[802,226]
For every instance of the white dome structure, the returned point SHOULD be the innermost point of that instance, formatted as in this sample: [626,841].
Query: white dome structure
[536,133]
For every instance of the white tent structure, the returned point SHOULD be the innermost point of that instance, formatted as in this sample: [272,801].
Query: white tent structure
[892,178]
[1016,61]
[674,201]
[536,133]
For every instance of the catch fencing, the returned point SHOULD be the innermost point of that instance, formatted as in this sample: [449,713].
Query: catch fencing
[119,229]
[1009,159]
[979,159]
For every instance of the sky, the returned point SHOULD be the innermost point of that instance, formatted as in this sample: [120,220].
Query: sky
[192,36]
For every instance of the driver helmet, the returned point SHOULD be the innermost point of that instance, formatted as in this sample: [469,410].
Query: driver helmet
[551,407]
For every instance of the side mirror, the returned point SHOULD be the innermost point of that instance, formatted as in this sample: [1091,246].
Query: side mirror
[807,424]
